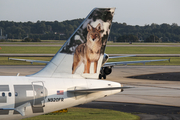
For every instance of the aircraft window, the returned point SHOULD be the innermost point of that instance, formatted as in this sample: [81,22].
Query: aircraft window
[16,94]
[9,94]
[3,94]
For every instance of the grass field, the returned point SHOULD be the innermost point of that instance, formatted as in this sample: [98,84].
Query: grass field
[109,50]
[54,42]
[43,42]
[29,49]
[137,43]
[19,40]
[143,50]
[87,114]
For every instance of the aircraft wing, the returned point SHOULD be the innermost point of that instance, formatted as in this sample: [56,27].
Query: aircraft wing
[31,61]
[111,64]
[97,89]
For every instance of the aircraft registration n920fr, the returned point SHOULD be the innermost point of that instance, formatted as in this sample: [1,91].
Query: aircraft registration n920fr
[69,79]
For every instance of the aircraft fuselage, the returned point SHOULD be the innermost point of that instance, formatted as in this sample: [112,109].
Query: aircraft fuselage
[22,97]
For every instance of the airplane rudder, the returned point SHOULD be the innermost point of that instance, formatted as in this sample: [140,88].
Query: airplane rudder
[82,53]
[102,16]
[90,48]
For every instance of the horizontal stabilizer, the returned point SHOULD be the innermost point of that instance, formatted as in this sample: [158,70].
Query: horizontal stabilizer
[31,61]
[110,64]
[122,56]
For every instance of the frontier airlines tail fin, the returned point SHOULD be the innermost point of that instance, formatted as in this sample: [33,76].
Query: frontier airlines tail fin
[81,56]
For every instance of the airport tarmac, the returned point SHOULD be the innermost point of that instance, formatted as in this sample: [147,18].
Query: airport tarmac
[156,94]
[147,91]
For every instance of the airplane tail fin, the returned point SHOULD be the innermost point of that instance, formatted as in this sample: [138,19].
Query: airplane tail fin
[81,56]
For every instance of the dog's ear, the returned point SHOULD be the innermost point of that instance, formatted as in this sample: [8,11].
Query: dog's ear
[89,27]
[98,27]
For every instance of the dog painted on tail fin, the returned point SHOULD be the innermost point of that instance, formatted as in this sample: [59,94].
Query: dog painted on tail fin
[90,51]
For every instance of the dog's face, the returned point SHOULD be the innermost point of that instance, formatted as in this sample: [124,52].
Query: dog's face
[94,33]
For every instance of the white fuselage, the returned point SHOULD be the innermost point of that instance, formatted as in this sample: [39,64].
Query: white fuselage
[36,96]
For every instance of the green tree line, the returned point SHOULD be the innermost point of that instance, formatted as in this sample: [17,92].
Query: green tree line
[120,32]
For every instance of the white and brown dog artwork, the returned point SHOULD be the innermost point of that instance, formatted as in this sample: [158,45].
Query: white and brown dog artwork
[90,51]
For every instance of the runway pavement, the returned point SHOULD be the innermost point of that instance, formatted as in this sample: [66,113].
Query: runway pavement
[147,91]
[156,92]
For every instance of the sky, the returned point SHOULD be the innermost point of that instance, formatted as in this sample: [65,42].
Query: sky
[132,12]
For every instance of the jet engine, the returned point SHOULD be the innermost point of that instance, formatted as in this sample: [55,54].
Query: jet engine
[105,71]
